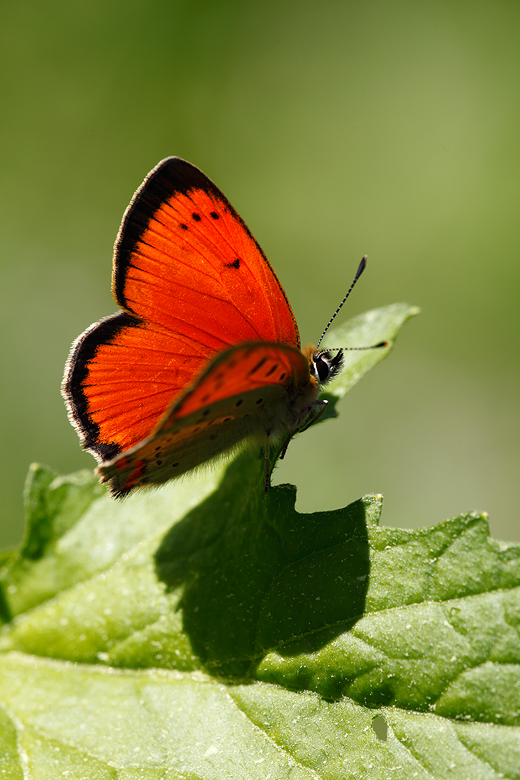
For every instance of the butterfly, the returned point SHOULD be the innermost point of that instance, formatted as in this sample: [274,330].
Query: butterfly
[205,353]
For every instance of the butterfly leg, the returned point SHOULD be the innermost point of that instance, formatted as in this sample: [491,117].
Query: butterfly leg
[285,445]
[267,464]
[323,404]
[311,420]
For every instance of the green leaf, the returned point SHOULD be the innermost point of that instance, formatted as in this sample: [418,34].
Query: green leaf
[196,632]
[224,564]
[96,722]
[425,634]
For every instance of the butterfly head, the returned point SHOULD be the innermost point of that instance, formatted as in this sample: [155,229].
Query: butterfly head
[324,367]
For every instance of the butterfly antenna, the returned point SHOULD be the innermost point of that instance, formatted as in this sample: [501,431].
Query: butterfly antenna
[359,271]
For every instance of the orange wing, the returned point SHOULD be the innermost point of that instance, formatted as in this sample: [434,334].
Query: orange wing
[246,391]
[191,281]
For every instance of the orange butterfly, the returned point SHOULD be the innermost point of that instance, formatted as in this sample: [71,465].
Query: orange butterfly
[206,352]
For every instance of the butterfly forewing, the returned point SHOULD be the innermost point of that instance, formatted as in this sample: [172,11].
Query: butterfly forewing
[180,234]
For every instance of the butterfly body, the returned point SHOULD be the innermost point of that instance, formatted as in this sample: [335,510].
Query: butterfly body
[206,352]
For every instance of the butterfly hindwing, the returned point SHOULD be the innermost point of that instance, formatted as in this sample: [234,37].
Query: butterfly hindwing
[253,390]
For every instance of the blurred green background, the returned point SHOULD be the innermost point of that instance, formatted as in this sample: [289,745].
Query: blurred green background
[335,129]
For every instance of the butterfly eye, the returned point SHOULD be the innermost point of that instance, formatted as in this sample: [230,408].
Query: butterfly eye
[321,369]
[324,368]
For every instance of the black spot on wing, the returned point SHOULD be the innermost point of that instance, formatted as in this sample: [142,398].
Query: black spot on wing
[257,367]
[214,214]
[196,216]
[234,264]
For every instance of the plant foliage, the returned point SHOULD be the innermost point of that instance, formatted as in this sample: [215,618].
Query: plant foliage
[207,630]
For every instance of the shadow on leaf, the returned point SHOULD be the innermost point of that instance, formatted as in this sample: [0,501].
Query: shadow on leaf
[258,575]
